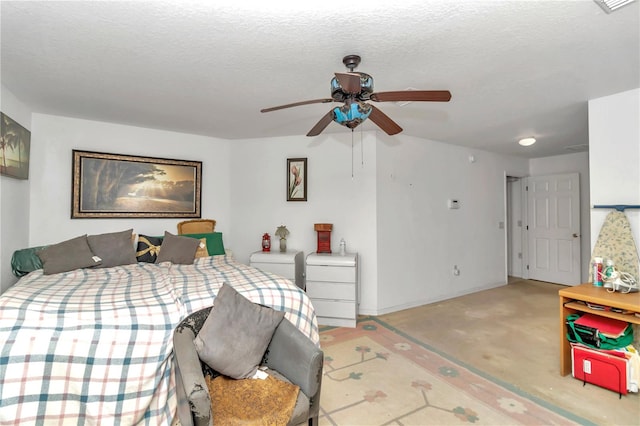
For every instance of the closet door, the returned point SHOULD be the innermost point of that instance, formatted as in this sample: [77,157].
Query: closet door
[554,228]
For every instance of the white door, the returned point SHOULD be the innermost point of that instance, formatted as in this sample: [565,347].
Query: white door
[554,228]
[515,241]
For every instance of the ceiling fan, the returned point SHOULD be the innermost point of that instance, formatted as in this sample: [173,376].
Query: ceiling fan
[354,88]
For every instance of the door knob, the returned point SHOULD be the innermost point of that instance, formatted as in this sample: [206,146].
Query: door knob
[575,235]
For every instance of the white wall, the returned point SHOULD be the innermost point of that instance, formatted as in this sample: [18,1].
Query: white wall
[392,211]
[258,199]
[420,239]
[14,197]
[572,163]
[614,160]
[53,139]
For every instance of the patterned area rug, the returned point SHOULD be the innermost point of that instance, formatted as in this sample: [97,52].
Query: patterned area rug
[377,375]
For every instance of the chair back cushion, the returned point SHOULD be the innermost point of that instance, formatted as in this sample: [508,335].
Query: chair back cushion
[236,334]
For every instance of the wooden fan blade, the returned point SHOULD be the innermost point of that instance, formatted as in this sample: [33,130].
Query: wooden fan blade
[350,82]
[384,122]
[412,96]
[295,104]
[322,124]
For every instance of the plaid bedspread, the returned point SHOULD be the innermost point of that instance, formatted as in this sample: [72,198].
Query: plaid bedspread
[197,286]
[95,346]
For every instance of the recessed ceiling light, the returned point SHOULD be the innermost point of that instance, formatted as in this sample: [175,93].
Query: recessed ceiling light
[527,141]
[611,5]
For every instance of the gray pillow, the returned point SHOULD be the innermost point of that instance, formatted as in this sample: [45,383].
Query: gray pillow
[115,248]
[177,249]
[67,256]
[236,334]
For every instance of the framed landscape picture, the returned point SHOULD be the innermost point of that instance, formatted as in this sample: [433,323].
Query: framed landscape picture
[116,186]
[15,143]
[296,179]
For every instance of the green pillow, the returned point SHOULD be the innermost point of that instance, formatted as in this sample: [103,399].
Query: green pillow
[25,261]
[214,242]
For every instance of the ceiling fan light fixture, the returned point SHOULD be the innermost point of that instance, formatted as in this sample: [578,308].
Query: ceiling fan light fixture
[612,5]
[351,114]
[355,88]
[527,141]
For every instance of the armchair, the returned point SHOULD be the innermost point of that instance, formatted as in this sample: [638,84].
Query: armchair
[290,353]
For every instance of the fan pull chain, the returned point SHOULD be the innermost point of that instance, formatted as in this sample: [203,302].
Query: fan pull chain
[361,148]
[351,153]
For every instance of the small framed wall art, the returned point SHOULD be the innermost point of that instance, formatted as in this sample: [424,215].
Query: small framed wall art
[297,179]
[15,144]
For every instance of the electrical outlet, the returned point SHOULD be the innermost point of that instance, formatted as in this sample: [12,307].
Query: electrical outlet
[456,271]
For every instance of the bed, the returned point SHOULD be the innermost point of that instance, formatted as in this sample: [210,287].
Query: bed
[94,346]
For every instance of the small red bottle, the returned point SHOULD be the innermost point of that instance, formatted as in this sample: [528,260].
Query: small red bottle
[597,272]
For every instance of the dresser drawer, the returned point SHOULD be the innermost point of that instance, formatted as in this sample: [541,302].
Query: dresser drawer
[282,269]
[289,264]
[334,309]
[330,290]
[331,273]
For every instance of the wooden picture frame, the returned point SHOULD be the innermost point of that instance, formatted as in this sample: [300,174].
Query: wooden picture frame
[125,186]
[297,176]
[15,146]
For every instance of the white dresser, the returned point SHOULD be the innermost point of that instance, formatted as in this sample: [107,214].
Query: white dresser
[288,264]
[332,285]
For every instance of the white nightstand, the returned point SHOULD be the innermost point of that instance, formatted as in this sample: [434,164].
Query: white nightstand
[332,285]
[288,264]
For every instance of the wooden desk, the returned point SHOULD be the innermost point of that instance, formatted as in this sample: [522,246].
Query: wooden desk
[569,304]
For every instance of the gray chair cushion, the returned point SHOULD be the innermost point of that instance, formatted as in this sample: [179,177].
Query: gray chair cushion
[236,334]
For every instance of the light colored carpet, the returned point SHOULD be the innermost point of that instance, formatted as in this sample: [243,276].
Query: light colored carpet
[377,375]
[511,333]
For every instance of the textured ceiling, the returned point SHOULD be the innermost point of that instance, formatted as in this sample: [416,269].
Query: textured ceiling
[514,68]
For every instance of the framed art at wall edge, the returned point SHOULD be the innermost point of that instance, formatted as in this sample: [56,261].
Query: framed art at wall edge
[15,145]
[297,179]
[118,186]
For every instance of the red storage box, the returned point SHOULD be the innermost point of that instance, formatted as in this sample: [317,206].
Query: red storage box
[602,368]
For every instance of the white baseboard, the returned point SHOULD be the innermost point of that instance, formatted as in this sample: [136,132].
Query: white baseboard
[420,302]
